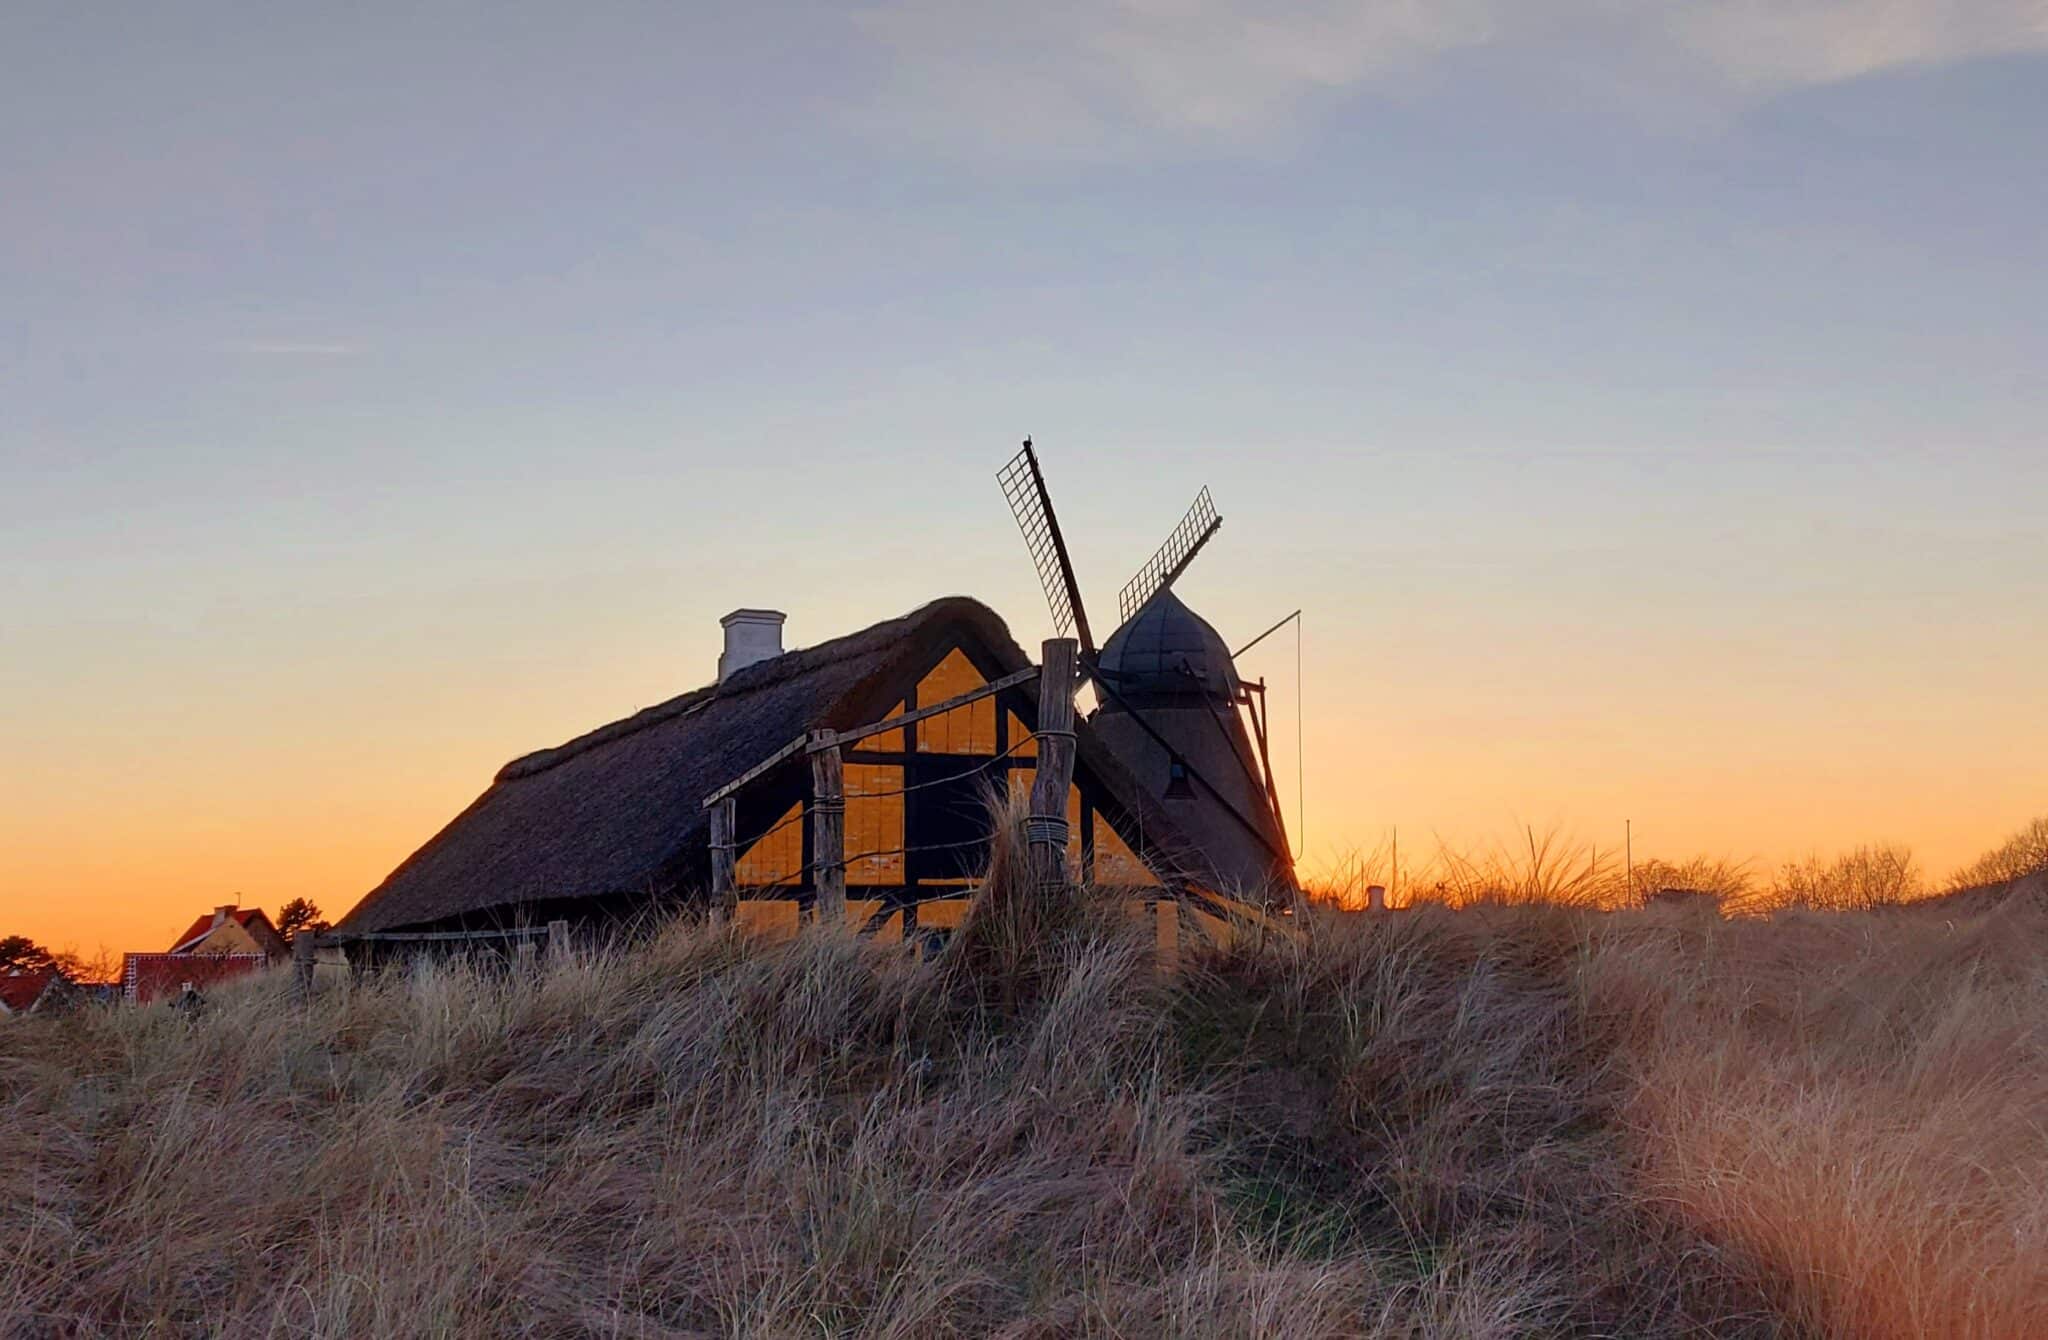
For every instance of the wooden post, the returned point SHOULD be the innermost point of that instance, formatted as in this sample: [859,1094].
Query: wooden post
[1046,830]
[523,958]
[558,943]
[304,947]
[828,827]
[724,885]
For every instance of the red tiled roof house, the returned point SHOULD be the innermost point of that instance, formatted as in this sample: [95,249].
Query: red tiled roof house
[226,943]
[26,992]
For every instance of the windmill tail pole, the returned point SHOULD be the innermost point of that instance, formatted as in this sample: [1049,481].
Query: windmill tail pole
[1046,828]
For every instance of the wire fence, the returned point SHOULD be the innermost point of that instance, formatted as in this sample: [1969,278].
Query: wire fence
[1014,751]
[795,878]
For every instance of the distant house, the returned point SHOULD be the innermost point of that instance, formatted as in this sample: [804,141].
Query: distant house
[229,929]
[152,977]
[27,992]
[223,944]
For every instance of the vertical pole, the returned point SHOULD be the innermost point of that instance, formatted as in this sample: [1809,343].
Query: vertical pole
[558,943]
[828,827]
[523,958]
[724,887]
[304,948]
[1046,829]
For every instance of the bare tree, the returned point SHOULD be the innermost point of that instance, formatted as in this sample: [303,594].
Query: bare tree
[1870,876]
[2024,853]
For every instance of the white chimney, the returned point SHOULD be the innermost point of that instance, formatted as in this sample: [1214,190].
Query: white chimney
[750,636]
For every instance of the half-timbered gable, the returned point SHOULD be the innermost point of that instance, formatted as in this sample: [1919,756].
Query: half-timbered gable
[918,796]
[615,821]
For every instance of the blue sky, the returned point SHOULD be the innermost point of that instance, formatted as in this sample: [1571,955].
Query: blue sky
[1583,369]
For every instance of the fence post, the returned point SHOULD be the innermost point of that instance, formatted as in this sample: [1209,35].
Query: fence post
[304,947]
[1046,830]
[558,943]
[828,827]
[724,882]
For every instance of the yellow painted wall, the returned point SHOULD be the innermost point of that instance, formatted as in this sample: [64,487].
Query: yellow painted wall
[964,730]
[227,938]
[777,855]
[874,823]
[1115,862]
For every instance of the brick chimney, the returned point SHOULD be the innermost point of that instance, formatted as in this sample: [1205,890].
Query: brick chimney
[751,636]
[223,912]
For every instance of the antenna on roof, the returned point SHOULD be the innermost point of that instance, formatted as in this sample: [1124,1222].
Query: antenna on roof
[1024,485]
[1166,566]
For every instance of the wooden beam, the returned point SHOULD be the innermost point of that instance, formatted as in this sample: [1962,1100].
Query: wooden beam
[427,937]
[994,686]
[1046,828]
[780,756]
[828,827]
[724,877]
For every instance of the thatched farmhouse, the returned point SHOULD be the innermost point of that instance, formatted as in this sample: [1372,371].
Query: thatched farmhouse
[623,819]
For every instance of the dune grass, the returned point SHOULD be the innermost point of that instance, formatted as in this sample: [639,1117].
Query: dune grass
[1506,1120]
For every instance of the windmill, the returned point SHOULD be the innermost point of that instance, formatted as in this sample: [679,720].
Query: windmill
[1169,695]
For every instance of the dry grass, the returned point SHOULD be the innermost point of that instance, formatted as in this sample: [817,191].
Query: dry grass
[1504,1121]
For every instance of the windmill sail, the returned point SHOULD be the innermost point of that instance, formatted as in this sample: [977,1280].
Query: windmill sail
[1024,486]
[1173,557]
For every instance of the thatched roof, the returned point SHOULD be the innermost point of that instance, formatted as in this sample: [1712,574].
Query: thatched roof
[616,814]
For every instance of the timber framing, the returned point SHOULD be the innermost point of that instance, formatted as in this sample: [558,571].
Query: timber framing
[812,743]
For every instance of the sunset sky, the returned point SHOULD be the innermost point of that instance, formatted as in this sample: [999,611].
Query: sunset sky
[1645,403]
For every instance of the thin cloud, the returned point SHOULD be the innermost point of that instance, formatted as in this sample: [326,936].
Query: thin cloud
[292,348]
[1107,77]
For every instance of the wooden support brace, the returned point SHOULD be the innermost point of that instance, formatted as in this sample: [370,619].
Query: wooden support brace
[1046,828]
[761,769]
[724,880]
[828,827]
[940,708]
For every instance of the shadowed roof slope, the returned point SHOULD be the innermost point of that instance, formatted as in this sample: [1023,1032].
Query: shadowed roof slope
[618,812]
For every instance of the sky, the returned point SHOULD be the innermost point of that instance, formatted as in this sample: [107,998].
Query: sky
[1643,403]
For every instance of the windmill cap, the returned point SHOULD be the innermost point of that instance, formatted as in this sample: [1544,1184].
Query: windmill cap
[1166,650]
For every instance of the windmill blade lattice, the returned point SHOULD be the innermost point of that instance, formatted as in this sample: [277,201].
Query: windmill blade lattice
[1024,488]
[1173,557]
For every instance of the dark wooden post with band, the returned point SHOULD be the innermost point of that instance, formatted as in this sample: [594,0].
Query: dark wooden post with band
[724,882]
[1046,829]
[828,827]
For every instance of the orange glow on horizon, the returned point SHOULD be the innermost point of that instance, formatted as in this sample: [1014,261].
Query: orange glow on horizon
[124,813]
